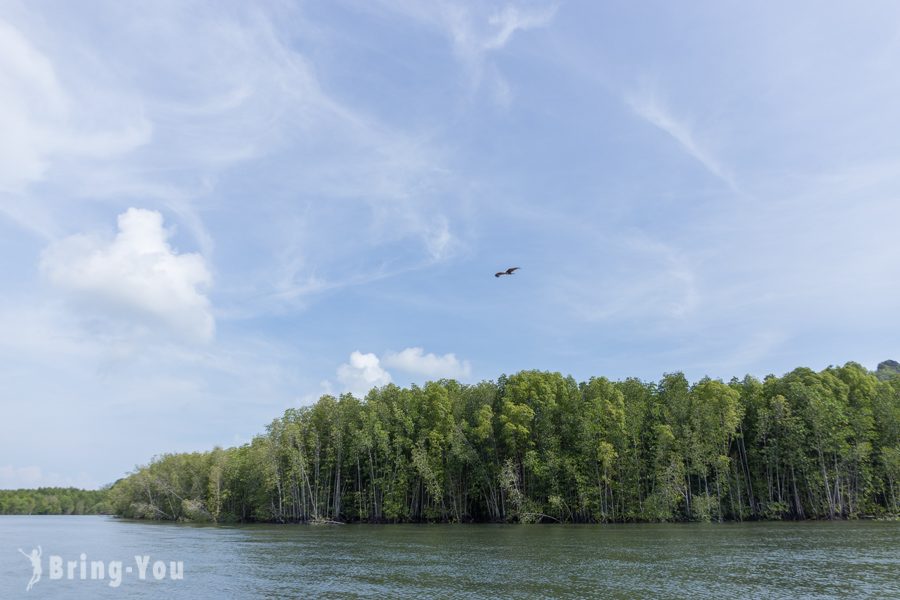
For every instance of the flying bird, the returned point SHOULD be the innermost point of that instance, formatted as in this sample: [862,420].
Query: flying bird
[509,271]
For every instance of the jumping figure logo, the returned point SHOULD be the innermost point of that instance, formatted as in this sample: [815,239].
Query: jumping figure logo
[35,558]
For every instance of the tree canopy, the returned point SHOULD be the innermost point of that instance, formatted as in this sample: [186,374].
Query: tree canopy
[53,501]
[539,446]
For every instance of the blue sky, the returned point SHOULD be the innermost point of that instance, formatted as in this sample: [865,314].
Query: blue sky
[210,212]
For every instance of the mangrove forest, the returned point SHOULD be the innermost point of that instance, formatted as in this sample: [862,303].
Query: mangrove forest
[542,447]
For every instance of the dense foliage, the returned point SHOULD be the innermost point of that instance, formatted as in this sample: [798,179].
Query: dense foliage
[887,369]
[53,501]
[539,446]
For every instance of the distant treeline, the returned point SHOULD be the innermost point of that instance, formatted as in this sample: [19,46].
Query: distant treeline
[53,501]
[538,446]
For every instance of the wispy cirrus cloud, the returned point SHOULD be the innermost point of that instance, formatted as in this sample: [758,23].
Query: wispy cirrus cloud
[478,29]
[43,121]
[650,107]
[475,30]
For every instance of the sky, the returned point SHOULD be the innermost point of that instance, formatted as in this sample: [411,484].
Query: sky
[214,211]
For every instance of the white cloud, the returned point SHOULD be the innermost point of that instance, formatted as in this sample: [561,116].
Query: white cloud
[137,273]
[649,107]
[512,19]
[93,122]
[41,120]
[473,33]
[476,30]
[28,85]
[432,366]
[365,371]
[362,373]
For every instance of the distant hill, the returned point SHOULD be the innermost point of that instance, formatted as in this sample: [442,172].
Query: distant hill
[887,369]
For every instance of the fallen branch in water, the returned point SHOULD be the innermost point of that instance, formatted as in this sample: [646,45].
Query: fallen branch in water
[530,516]
[325,522]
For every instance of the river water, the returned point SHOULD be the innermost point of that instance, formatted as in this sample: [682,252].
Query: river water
[762,560]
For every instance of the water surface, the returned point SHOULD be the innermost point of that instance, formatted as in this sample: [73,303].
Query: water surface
[770,560]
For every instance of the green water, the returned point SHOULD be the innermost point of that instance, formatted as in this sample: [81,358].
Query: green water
[750,560]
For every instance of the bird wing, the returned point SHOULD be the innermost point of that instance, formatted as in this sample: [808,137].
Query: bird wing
[510,270]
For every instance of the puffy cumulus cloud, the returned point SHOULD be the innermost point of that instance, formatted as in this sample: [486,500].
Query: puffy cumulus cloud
[362,373]
[137,274]
[366,371]
[432,366]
